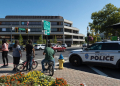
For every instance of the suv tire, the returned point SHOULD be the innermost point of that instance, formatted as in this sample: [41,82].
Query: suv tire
[76,61]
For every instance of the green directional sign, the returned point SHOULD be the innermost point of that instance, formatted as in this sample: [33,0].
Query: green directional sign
[46,32]
[114,38]
[21,28]
[46,25]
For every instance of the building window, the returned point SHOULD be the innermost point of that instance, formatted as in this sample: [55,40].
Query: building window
[6,30]
[67,30]
[81,37]
[9,23]
[67,24]
[53,23]
[59,37]
[35,30]
[68,37]
[56,29]
[56,23]
[75,37]
[75,31]
[31,23]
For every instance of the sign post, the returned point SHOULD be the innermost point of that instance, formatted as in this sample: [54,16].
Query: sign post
[47,29]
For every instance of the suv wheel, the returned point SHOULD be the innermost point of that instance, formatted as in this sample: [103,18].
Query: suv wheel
[76,61]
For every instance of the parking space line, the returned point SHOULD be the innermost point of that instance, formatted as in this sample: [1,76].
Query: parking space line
[98,71]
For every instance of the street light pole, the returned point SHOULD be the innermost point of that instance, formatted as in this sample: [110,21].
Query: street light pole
[11,33]
[87,37]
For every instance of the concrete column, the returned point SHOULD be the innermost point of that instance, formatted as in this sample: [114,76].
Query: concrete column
[63,38]
[79,38]
[63,34]
[72,39]
[72,31]
[33,39]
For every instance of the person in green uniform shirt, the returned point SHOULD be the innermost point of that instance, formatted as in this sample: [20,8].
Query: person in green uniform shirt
[49,56]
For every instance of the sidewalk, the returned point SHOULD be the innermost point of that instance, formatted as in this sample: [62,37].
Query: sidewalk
[74,76]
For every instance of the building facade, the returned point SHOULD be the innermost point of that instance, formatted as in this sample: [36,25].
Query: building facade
[60,27]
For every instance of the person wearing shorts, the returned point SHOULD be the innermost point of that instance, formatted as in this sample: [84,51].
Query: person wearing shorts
[16,54]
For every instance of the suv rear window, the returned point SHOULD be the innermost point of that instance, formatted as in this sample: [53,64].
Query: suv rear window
[111,46]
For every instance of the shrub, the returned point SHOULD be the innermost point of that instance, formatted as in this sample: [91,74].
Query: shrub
[33,78]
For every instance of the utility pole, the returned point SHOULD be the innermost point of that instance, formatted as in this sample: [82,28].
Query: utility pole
[11,33]
[87,37]
[28,27]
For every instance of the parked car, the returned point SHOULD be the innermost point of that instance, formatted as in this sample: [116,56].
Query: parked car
[11,46]
[39,46]
[64,45]
[69,45]
[84,45]
[105,53]
[58,48]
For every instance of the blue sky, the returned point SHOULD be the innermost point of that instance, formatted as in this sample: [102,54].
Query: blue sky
[77,11]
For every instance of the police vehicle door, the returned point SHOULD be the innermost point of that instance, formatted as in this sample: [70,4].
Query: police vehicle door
[110,53]
[89,54]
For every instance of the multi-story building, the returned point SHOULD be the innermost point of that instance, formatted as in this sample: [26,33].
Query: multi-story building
[61,28]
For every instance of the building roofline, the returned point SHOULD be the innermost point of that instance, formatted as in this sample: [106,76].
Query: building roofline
[32,17]
[65,20]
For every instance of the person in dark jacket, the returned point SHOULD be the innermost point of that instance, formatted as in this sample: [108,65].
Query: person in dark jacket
[30,54]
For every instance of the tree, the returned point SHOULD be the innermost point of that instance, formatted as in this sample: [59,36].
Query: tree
[44,41]
[99,39]
[40,40]
[51,41]
[8,41]
[20,39]
[55,39]
[13,41]
[107,16]
[27,41]
[96,36]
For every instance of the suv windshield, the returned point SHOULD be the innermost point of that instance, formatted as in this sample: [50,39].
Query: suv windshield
[37,45]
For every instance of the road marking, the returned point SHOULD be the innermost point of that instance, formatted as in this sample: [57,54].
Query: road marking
[65,58]
[20,59]
[98,71]
[38,59]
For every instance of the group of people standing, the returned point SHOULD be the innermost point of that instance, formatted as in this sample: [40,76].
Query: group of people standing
[30,53]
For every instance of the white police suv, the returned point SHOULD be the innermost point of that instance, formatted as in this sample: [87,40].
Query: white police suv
[100,53]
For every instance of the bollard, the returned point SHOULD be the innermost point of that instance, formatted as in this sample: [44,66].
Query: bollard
[61,61]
